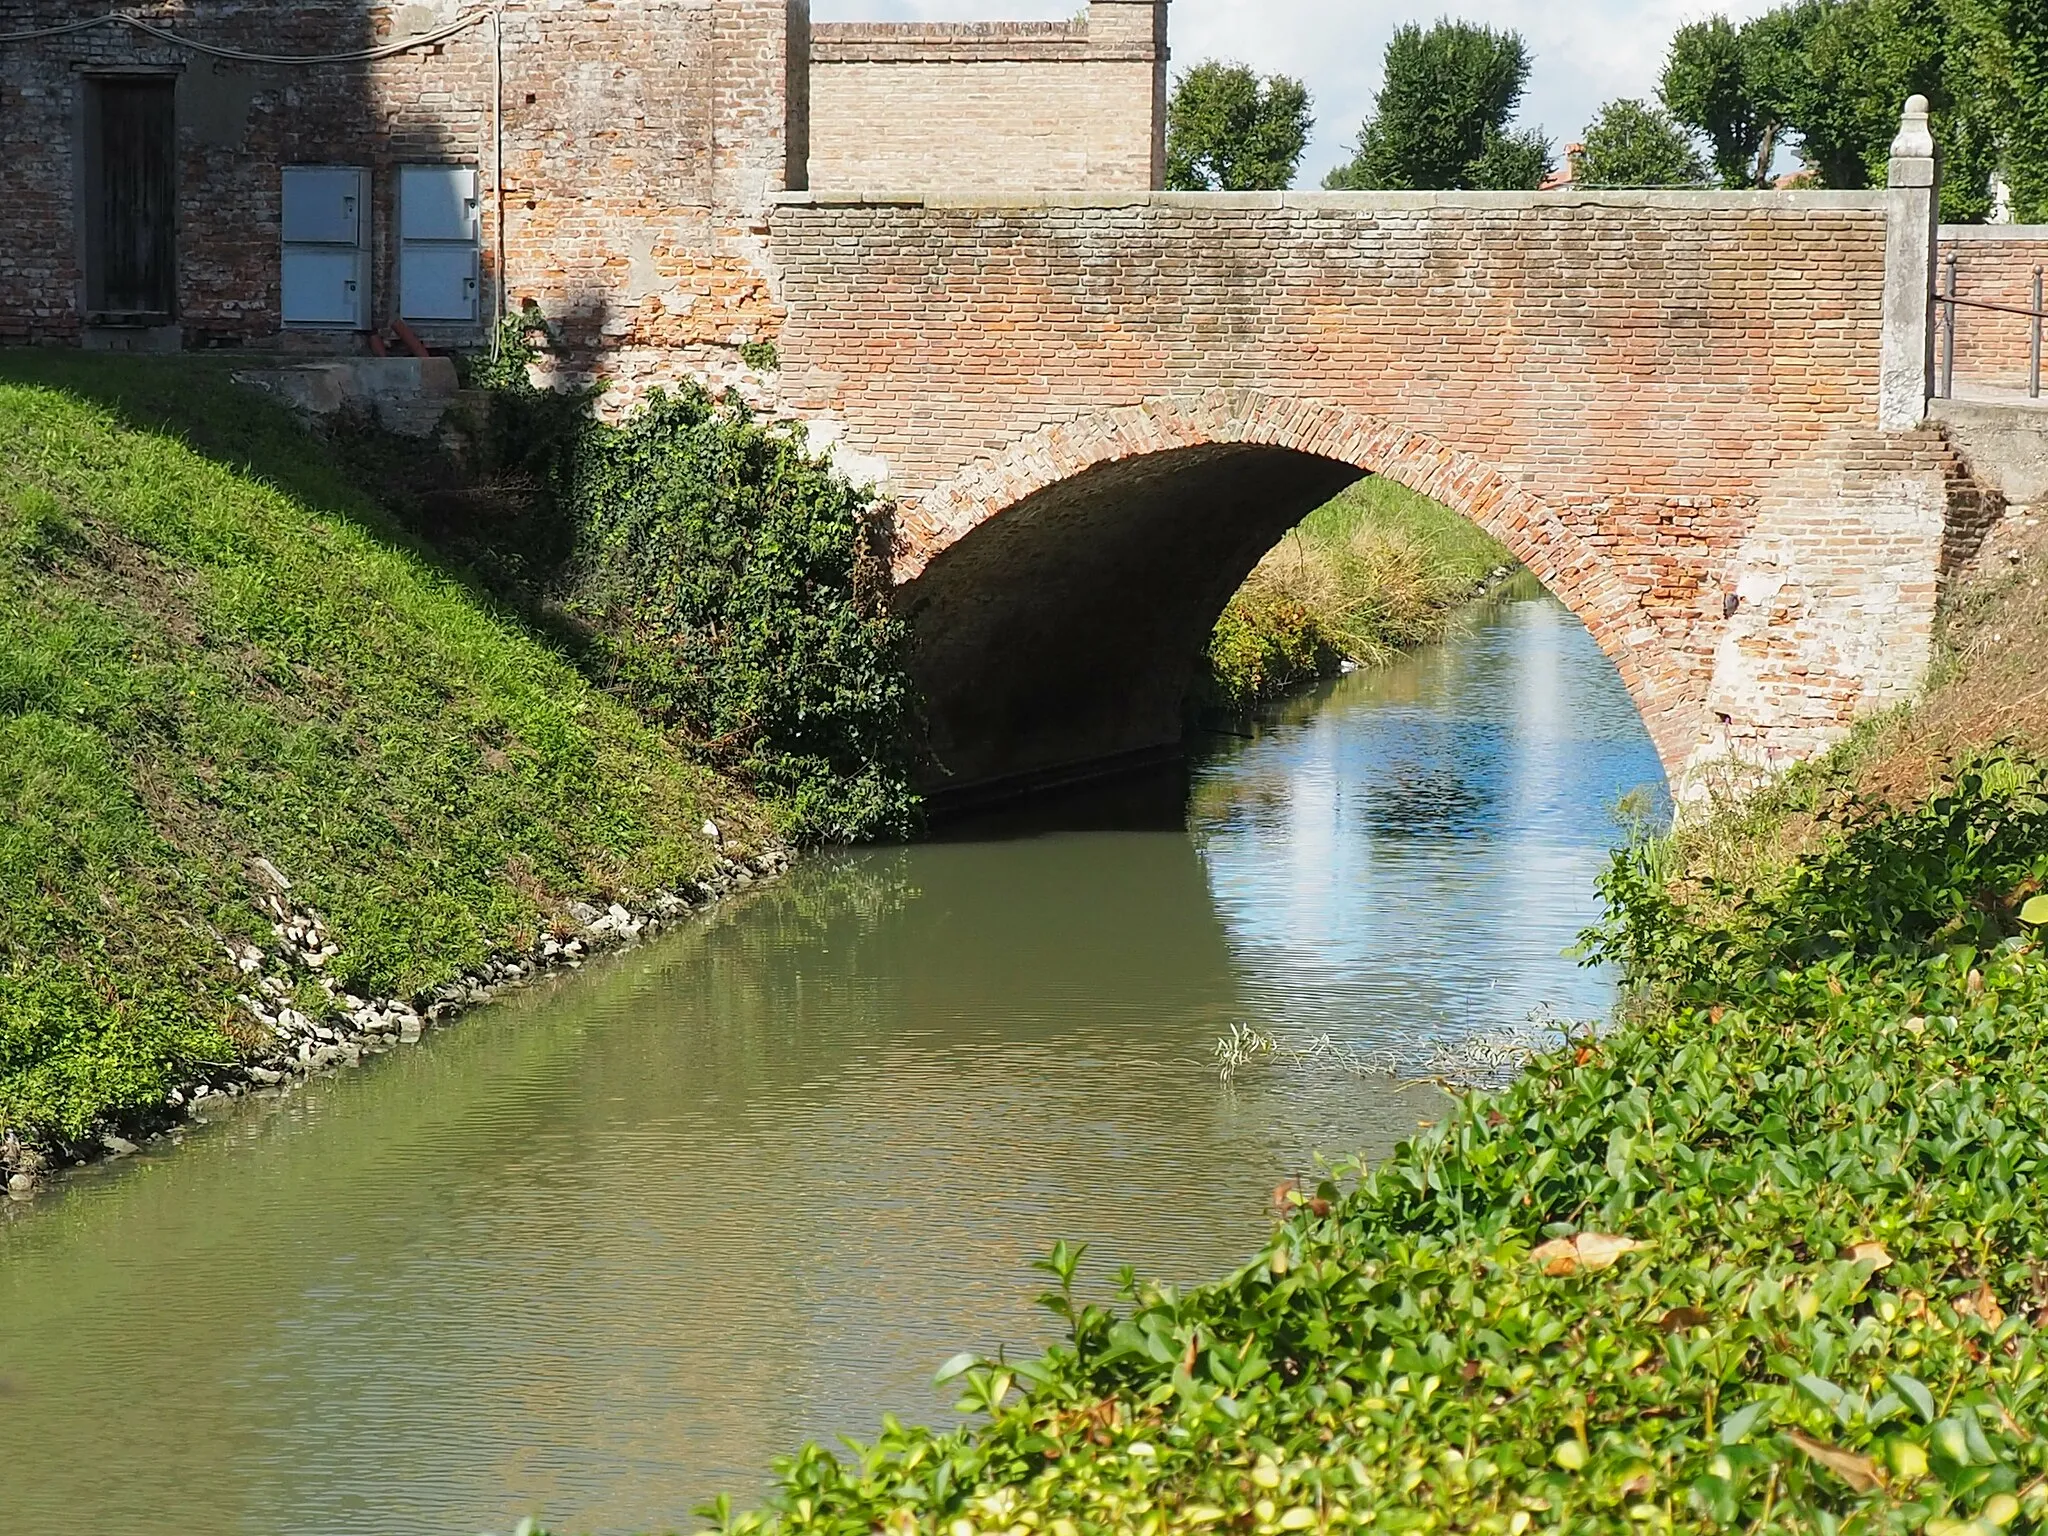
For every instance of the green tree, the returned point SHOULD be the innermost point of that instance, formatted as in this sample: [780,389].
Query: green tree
[1632,144]
[2011,70]
[1730,84]
[1440,119]
[1830,76]
[1227,130]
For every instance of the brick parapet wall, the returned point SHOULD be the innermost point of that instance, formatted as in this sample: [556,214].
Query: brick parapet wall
[1995,263]
[641,145]
[1019,105]
[1685,384]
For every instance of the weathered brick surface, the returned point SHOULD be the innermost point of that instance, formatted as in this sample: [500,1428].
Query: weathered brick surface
[641,143]
[1995,264]
[1015,105]
[1665,404]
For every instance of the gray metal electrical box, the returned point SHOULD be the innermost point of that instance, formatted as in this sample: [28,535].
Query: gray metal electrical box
[326,247]
[439,244]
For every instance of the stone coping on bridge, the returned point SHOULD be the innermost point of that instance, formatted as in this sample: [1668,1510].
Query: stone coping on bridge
[2017,232]
[1332,202]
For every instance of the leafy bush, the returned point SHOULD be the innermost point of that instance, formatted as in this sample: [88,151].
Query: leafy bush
[1373,572]
[1265,644]
[1891,886]
[1768,1259]
[732,586]
[735,586]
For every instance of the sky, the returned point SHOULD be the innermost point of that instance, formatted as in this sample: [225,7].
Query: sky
[1587,52]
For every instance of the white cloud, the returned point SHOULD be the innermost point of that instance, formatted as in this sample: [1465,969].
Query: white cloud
[1587,51]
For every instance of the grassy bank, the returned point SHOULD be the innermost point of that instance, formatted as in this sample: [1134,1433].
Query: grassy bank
[1374,572]
[1769,1255]
[215,649]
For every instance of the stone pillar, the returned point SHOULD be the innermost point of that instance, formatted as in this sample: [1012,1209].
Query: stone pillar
[1913,230]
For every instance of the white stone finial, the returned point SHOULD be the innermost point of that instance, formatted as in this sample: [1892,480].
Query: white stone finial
[1914,157]
[1916,136]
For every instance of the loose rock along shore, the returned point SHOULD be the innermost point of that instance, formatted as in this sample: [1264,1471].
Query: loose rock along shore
[314,1025]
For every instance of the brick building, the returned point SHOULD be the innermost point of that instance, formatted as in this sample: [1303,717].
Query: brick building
[1010,106]
[300,173]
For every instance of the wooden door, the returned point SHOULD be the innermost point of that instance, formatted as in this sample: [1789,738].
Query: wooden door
[132,201]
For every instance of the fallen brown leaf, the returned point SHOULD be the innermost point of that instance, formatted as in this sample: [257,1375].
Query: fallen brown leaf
[1559,1256]
[1589,1251]
[1859,1472]
[1683,1319]
[1871,1253]
[1983,1306]
[1598,1250]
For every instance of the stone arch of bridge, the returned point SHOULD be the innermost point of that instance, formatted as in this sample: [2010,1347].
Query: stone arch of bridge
[1061,591]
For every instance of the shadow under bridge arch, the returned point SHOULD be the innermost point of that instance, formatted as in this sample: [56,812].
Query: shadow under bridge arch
[1062,592]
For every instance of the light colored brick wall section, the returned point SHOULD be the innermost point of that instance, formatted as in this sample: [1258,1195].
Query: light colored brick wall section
[1995,263]
[642,142]
[987,105]
[1664,403]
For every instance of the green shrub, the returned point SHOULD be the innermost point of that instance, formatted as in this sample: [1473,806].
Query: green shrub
[1373,572]
[1892,885]
[1264,645]
[735,585]
[732,586]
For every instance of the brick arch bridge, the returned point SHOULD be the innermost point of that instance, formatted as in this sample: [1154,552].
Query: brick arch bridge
[1697,416]
[1168,505]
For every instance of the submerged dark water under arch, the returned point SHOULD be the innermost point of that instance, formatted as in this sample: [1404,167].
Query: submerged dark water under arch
[610,1247]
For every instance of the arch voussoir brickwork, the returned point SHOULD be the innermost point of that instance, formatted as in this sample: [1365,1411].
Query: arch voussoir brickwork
[1533,531]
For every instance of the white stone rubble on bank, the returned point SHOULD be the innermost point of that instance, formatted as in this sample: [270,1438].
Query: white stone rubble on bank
[314,1024]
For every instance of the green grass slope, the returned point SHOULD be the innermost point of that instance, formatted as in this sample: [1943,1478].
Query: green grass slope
[213,649]
[1375,571]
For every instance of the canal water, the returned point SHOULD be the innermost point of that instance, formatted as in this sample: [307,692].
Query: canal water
[611,1247]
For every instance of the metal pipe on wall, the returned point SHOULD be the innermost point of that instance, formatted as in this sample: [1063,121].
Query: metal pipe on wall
[2034,379]
[1948,335]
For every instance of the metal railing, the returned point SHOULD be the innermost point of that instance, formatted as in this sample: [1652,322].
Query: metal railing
[1950,301]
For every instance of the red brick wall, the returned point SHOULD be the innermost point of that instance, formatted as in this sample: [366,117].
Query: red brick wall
[1665,403]
[641,145]
[1996,264]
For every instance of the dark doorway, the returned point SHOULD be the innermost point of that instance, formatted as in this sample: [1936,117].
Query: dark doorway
[131,200]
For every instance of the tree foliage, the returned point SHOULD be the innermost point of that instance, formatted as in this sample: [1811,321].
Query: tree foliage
[1724,83]
[1633,144]
[1440,119]
[2013,74]
[1830,76]
[1229,131]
